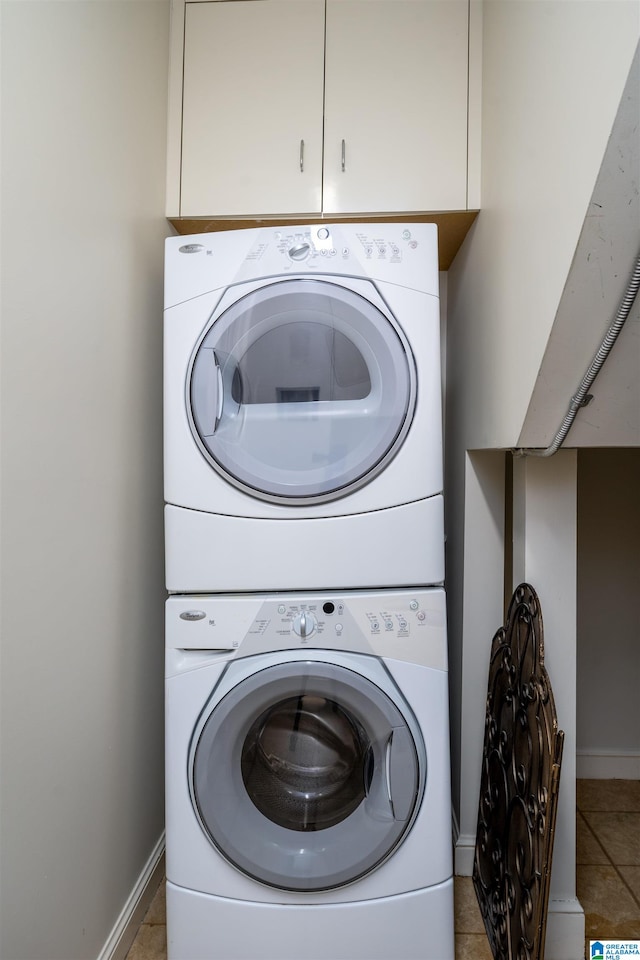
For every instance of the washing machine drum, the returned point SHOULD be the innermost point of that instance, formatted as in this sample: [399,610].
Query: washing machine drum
[301,391]
[306,775]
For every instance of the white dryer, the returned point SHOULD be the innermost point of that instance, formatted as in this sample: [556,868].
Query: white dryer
[308,795]
[302,382]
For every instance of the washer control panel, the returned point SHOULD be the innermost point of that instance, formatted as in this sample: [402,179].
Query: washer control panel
[406,625]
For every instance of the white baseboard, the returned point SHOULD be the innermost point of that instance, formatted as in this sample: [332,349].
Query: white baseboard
[608,764]
[126,926]
[565,930]
[464,854]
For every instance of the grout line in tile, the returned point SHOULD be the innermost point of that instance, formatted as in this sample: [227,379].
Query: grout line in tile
[633,895]
[635,898]
[610,861]
[595,837]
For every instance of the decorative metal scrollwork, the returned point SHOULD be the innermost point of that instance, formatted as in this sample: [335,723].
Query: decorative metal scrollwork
[519,787]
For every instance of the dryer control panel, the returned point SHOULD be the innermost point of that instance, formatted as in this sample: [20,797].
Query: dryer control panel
[401,253]
[404,625]
[323,244]
[362,249]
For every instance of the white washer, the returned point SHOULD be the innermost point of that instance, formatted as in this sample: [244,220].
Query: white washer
[308,794]
[302,381]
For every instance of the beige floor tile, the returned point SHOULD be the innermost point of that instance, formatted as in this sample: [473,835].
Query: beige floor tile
[157,912]
[610,910]
[608,795]
[619,834]
[632,877]
[150,943]
[588,850]
[472,946]
[468,918]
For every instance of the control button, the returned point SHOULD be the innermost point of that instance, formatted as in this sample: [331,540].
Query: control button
[340,609]
[375,626]
[339,628]
[282,608]
[402,624]
[304,624]
[422,615]
[192,615]
[323,233]
[414,604]
[406,234]
[345,251]
[388,625]
[328,607]
[332,252]
[299,251]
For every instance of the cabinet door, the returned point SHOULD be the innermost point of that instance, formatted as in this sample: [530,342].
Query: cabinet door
[252,108]
[396,105]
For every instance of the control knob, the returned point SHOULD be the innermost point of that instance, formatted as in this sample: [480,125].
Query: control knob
[299,251]
[304,624]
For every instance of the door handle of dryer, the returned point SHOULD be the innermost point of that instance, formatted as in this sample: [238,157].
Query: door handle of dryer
[219,392]
[400,773]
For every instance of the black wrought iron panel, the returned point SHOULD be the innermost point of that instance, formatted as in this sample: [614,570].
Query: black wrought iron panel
[519,786]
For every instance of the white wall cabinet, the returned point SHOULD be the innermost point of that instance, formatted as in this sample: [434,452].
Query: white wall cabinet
[252,107]
[396,95]
[309,107]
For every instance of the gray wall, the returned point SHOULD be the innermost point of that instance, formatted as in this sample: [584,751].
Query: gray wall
[608,609]
[83,145]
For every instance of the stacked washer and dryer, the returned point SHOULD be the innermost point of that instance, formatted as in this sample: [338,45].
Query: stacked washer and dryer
[307,732]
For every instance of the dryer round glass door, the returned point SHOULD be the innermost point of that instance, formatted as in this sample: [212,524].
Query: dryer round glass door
[301,391]
[306,775]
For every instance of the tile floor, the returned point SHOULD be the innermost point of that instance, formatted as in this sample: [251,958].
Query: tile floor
[608,857]
[608,877]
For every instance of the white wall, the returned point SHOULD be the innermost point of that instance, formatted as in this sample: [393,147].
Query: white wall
[602,266]
[479,610]
[608,733]
[547,112]
[83,144]
[544,555]
[553,75]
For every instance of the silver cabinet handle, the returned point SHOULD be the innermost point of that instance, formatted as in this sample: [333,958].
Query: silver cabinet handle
[302,156]
[344,156]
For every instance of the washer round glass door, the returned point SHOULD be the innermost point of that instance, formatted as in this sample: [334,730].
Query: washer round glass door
[301,391]
[306,775]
